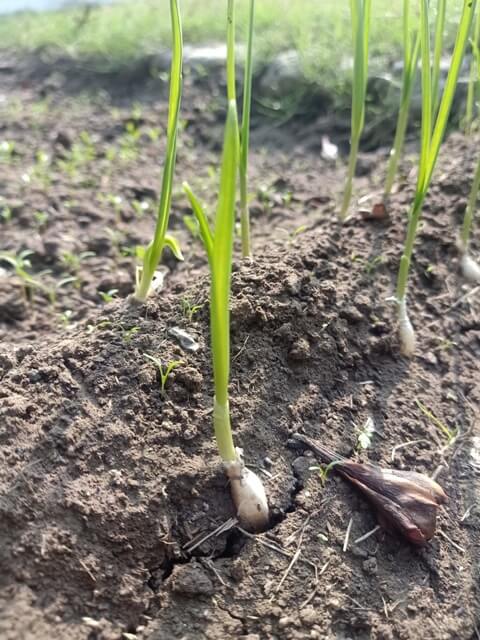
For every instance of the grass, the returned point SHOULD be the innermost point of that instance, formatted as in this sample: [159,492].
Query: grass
[449,434]
[320,31]
[360,14]
[433,131]
[411,49]
[153,252]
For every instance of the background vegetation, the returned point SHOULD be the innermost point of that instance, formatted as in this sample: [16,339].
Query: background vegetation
[118,34]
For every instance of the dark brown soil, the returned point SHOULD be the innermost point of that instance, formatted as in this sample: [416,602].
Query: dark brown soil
[104,479]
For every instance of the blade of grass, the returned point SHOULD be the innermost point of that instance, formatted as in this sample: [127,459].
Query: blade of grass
[437,51]
[220,289]
[245,137]
[430,145]
[154,250]
[360,15]
[470,210]
[411,50]
[205,232]
[474,76]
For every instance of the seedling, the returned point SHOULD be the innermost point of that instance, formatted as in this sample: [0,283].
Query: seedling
[153,252]
[411,49]
[470,268]
[41,169]
[128,334]
[79,156]
[244,137]
[360,11]
[108,296]
[365,434]
[370,265]
[154,133]
[437,53]
[247,490]
[41,218]
[449,434]
[6,214]
[324,470]
[20,262]
[189,310]
[72,261]
[431,140]
[164,372]
[129,142]
[474,77]
[7,151]
[140,207]
[66,318]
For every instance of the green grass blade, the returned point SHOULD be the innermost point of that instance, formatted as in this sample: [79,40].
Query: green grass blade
[437,51]
[409,73]
[204,227]
[155,248]
[474,77]
[231,89]
[431,142]
[221,275]
[245,137]
[451,84]
[470,210]
[426,93]
[360,16]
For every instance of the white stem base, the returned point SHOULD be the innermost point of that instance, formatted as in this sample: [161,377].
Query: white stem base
[248,496]
[470,268]
[405,330]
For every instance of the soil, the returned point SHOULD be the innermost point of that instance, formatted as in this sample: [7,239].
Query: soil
[105,478]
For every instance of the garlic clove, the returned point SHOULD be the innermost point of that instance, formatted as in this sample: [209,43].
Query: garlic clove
[470,268]
[248,496]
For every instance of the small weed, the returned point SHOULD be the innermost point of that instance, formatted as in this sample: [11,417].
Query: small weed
[128,334]
[115,201]
[129,142]
[140,207]
[450,434]
[371,265]
[7,151]
[72,261]
[20,263]
[6,214]
[66,318]
[154,133]
[164,372]
[365,434]
[41,219]
[41,168]
[79,156]
[324,470]
[189,309]
[108,296]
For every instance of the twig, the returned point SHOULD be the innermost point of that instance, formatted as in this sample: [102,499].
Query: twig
[296,555]
[367,535]
[454,544]
[208,563]
[226,526]
[468,512]
[347,535]
[276,547]
[314,592]
[301,530]
[406,444]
